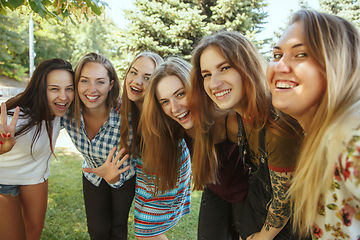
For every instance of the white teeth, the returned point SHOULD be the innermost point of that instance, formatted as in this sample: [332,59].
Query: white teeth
[136,89]
[62,104]
[284,85]
[183,114]
[92,98]
[221,93]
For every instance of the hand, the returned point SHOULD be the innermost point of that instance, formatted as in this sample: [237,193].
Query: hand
[7,132]
[257,236]
[110,169]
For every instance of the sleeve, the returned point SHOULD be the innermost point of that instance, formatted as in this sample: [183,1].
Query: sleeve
[349,163]
[282,152]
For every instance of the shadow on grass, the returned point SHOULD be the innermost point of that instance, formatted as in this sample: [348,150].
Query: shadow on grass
[65,216]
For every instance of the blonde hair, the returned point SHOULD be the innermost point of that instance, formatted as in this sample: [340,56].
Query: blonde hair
[129,109]
[113,95]
[334,44]
[161,134]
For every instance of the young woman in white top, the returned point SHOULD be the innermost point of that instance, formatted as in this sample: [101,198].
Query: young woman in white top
[25,159]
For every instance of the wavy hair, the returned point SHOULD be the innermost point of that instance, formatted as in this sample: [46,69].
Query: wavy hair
[113,95]
[128,109]
[158,129]
[256,105]
[33,100]
[334,43]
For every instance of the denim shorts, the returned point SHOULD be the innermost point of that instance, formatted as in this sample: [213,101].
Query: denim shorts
[9,189]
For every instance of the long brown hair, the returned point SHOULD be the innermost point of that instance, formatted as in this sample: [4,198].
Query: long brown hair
[256,105]
[161,135]
[128,110]
[33,100]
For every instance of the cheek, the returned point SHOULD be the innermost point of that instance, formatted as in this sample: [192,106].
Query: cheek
[207,88]
[166,110]
[270,73]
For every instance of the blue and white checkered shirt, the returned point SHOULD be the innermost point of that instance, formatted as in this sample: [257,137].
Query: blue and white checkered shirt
[96,151]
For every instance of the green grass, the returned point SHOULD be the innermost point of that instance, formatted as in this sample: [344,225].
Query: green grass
[65,216]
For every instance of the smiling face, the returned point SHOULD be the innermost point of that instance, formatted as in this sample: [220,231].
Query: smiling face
[59,91]
[295,79]
[222,82]
[171,94]
[137,79]
[94,85]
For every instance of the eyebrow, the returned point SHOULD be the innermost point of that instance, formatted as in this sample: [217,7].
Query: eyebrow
[100,78]
[295,46]
[217,66]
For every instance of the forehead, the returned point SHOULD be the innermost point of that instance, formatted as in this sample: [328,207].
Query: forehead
[167,86]
[94,69]
[144,64]
[59,77]
[211,54]
[292,35]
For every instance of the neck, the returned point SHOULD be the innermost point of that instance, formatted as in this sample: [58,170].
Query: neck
[96,113]
[190,132]
[139,106]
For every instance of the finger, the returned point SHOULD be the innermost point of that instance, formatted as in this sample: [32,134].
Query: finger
[118,156]
[122,161]
[124,169]
[89,170]
[3,114]
[15,117]
[111,154]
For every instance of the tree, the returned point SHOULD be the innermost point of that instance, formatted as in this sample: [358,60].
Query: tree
[348,9]
[59,9]
[173,27]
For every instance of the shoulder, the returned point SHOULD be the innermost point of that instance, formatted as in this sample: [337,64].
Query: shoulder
[282,151]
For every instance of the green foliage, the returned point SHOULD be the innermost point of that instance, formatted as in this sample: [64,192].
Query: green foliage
[173,27]
[65,216]
[13,42]
[59,9]
[348,9]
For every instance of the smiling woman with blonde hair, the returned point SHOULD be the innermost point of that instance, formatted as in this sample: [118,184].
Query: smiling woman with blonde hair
[315,77]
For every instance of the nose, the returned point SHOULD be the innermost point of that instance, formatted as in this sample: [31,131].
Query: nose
[283,65]
[215,81]
[62,94]
[138,80]
[175,106]
[92,87]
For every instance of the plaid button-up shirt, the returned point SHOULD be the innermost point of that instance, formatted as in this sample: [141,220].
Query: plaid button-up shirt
[96,151]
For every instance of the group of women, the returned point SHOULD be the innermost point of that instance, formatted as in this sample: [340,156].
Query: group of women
[274,147]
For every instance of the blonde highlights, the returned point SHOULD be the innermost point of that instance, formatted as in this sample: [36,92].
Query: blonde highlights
[334,44]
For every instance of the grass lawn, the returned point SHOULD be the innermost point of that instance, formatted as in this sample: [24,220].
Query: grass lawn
[65,216]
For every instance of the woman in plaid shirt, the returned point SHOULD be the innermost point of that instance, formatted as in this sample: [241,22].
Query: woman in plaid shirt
[95,131]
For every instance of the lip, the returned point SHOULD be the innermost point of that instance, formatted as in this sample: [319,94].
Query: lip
[184,118]
[221,94]
[92,98]
[135,90]
[285,85]
[61,106]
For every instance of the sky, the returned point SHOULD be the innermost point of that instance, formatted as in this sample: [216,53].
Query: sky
[278,11]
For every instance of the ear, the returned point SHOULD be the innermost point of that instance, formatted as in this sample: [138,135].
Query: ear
[111,85]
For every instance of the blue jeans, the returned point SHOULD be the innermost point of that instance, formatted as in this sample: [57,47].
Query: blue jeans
[13,190]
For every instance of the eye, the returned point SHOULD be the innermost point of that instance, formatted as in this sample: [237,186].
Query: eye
[53,89]
[133,72]
[147,78]
[181,94]
[101,82]
[225,68]
[301,55]
[277,56]
[163,103]
[70,89]
[206,75]
[83,80]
